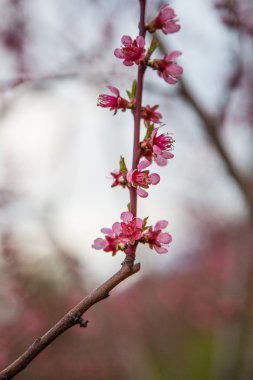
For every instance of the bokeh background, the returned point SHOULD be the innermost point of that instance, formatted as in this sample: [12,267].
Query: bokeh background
[187,314]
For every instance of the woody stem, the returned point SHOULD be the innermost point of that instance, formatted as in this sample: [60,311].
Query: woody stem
[137,111]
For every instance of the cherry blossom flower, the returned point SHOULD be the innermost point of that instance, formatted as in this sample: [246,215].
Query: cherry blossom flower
[149,114]
[131,228]
[113,102]
[132,51]
[121,235]
[158,148]
[131,231]
[167,68]
[156,238]
[165,20]
[112,242]
[141,179]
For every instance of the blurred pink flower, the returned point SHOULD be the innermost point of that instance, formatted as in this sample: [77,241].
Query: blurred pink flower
[112,242]
[165,20]
[132,51]
[131,228]
[161,146]
[156,238]
[121,235]
[113,102]
[167,68]
[149,114]
[141,179]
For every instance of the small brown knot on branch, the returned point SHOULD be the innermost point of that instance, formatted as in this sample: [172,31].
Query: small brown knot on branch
[129,261]
[78,320]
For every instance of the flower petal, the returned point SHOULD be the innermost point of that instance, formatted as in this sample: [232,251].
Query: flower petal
[114,90]
[167,155]
[171,27]
[126,40]
[172,56]
[155,178]
[142,193]
[143,165]
[166,12]
[160,161]
[106,231]
[164,238]
[116,227]
[160,249]
[118,53]
[157,150]
[140,41]
[139,222]
[126,216]
[129,175]
[99,243]
[175,70]
[127,63]
[169,79]
[161,224]
[154,132]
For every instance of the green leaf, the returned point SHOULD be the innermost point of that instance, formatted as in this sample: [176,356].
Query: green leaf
[129,94]
[149,131]
[122,165]
[145,220]
[134,88]
[132,94]
[153,45]
[129,206]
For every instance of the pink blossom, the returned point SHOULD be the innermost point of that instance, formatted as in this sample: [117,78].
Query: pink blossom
[149,114]
[158,148]
[111,242]
[113,102]
[131,228]
[156,238]
[165,20]
[121,235]
[141,179]
[132,51]
[167,68]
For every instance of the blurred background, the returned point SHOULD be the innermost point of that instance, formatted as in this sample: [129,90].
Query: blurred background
[187,314]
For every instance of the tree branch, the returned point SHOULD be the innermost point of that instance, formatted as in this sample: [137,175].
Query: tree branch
[137,111]
[72,318]
[212,127]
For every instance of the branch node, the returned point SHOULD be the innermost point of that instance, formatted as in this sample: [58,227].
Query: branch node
[129,261]
[78,320]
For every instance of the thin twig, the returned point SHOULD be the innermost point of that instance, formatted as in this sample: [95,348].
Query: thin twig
[72,318]
[33,79]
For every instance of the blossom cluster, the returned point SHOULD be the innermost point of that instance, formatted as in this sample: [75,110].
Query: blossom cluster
[155,147]
[131,231]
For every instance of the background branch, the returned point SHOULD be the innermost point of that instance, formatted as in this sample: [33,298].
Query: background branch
[212,127]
